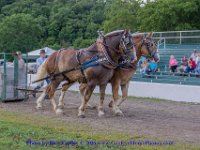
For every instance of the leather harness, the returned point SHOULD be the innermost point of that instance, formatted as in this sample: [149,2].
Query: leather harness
[102,51]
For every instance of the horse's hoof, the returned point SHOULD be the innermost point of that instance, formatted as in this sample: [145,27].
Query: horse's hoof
[59,112]
[91,107]
[81,116]
[110,104]
[100,113]
[38,107]
[119,113]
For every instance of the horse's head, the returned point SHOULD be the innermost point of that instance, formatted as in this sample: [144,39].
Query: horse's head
[148,46]
[120,42]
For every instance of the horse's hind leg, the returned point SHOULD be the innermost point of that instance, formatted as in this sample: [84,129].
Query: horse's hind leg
[52,87]
[85,98]
[82,88]
[124,89]
[61,98]
[102,96]
[40,99]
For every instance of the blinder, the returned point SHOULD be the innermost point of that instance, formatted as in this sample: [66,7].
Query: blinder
[126,43]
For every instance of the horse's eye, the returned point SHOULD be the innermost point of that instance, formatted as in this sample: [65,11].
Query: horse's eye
[127,41]
[148,44]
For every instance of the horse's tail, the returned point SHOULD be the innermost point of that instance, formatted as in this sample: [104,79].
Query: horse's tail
[41,73]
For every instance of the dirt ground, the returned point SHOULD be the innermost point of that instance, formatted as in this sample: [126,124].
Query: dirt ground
[156,119]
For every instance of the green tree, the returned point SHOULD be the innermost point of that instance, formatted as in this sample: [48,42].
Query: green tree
[121,15]
[166,15]
[19,32]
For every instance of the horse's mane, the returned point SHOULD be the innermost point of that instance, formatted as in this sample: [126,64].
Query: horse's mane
[114,33]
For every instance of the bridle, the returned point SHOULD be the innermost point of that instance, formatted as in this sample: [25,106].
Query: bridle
[126,41]
[125,46]
[148,46]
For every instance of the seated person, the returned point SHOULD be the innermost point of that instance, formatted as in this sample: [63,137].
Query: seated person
[141,61]
[152,66]
[191,66]
[198,64]
[184,64]
[194,55]
[144,68]
[173,63]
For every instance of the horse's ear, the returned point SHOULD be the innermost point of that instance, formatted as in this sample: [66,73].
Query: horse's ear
[137,37]
[101,34]
[125,31]
[149,35]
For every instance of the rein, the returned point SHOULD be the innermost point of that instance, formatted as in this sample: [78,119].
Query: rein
[95,61]
[106,60]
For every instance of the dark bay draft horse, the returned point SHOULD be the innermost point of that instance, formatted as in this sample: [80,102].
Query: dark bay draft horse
[114,46]
[144,46]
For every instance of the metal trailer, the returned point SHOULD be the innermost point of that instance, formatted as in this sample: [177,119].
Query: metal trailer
[12,78]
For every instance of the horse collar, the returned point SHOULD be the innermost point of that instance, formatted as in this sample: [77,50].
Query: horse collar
[105,49]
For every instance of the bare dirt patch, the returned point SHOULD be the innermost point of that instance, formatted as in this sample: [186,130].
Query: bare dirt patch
[164,120]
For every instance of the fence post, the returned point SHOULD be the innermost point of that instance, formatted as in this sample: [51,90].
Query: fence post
[26,94]
[164,44]
[15,76]
[4,77]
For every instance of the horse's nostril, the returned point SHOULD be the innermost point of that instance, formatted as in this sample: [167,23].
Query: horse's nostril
[158,59]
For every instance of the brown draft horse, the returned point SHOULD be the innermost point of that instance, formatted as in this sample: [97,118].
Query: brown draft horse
[122,75]
[112,48]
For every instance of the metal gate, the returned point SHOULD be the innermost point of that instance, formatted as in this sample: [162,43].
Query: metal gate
[12,78]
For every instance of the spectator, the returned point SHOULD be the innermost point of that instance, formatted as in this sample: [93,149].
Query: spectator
[21,63]
[197,58]
[152,67]
[198,64]
[141,61]
[173,63]
[194,55]
[144,68]
[21,71]
[39,62]
[41,59]
[191,66]
[184,64]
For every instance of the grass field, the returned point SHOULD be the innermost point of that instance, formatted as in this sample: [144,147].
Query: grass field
[17,130]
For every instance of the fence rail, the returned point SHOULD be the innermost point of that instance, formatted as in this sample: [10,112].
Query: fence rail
[177,43]
[178,37]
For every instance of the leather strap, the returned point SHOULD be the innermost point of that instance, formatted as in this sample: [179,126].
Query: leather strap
[78,55]
[103,49]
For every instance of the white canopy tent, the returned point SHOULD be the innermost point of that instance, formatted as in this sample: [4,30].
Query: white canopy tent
[48,51]
[33,55]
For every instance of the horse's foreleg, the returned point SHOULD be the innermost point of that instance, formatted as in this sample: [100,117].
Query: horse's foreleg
[115,89]
[124,89]
[85,98]
[102,96]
